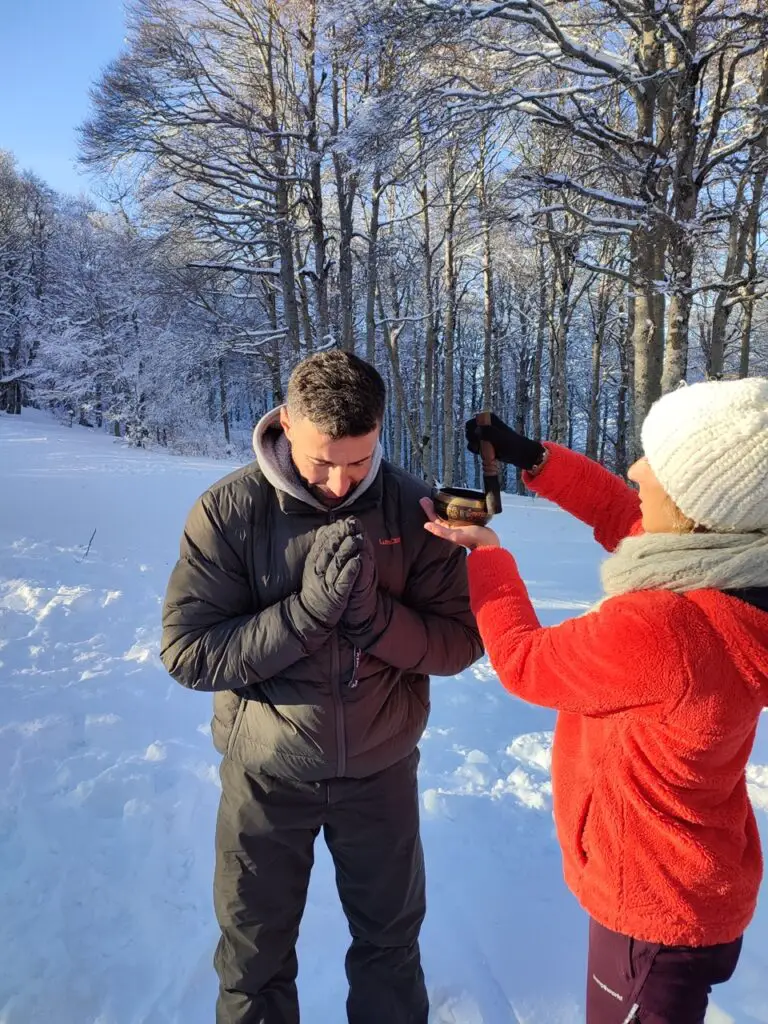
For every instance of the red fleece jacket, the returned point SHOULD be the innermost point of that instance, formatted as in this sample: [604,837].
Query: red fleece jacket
[659,696]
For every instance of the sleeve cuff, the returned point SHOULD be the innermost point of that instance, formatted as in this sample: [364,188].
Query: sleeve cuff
[490,570]
[310,633]
[533,481]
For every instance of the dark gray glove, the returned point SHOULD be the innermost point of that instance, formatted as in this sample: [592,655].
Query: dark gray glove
[368,611]
[362,602]
[330,571]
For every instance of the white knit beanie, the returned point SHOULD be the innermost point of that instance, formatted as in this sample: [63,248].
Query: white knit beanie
[707,445]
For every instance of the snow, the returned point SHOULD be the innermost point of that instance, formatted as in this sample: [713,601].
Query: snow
[109,784]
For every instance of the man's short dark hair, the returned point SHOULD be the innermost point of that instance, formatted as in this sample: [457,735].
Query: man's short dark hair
[342,395]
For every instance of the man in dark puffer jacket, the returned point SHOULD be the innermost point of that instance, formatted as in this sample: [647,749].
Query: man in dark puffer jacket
[310,599]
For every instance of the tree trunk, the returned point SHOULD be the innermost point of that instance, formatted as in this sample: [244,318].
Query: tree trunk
[538,359]
[562,280]
[458,437]
[13,399]
[316,214]
[346,188]
[647,336]
[141,397]
[391,339]
[397,431]
[283,224]
[685,198]
[598,340]
[287,269]
[449,328]
[98,403]
[12,390]
[742,237]
[622,419]
[488,311]
[603,432]
[223,400]
[273,362]
[749,302]
[734,264]
[522,401]
[430,337]
[372,270]
[647,260]
[306,313]
[593,410]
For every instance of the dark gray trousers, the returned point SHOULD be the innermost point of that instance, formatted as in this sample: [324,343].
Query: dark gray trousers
[635,982]
[264,854]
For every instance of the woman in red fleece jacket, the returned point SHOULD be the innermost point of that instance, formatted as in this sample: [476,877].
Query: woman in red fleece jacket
[659,689]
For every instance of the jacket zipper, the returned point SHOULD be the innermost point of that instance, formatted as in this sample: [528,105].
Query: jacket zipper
[341,739]
[338,704]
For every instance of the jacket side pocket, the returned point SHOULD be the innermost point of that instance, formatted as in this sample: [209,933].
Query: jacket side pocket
[236,727]
[581,844]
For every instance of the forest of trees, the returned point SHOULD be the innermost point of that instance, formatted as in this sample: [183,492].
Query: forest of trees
[546,207]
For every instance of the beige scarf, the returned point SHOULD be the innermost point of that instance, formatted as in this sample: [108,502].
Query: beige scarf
[690,561]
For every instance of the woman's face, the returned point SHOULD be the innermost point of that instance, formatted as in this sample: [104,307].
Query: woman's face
[660,514]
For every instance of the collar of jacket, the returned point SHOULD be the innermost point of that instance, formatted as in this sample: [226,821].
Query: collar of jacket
[756,596]
[370,498]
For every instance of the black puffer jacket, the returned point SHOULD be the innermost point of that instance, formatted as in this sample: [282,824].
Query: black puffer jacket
[288,702]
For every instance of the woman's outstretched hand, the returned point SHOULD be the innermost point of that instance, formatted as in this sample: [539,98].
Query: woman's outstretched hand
[465,536]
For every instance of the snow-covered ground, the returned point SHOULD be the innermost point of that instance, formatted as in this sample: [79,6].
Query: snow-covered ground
[108,780]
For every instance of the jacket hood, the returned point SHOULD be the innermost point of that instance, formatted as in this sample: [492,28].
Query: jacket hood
[273,454]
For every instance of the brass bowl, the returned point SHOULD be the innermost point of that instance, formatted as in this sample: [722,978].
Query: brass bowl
[458,506]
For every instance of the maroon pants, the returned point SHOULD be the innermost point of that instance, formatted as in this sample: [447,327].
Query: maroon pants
[634,982]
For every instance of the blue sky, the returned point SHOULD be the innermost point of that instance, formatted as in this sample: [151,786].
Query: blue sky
[51,52]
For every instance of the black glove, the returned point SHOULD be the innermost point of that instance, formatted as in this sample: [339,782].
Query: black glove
[332,566]
[364,618]
[509,446]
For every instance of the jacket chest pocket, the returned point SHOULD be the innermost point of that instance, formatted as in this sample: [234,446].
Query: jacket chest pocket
[390,564]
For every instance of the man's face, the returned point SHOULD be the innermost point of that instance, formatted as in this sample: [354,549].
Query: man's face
[330,469]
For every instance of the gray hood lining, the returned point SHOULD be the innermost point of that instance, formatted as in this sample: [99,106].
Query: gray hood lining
[273,454]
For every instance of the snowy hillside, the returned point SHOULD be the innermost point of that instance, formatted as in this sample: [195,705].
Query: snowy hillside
[108,780]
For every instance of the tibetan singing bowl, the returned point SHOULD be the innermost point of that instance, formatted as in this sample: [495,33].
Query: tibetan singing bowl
[458,506]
